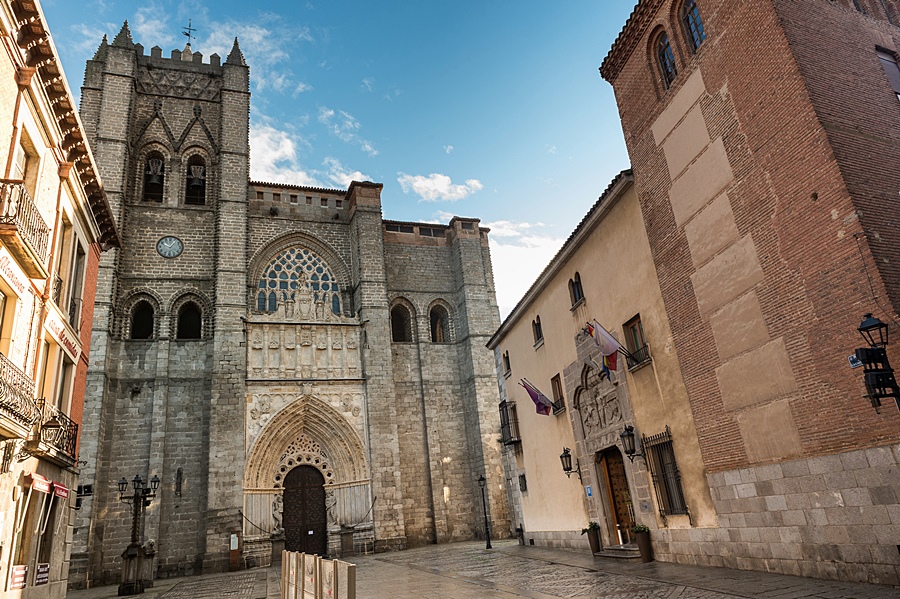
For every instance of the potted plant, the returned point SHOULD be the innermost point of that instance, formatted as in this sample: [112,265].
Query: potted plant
[642,537]
[593,533]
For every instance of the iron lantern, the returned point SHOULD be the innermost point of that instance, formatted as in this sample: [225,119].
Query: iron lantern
[628,443]
[873,331]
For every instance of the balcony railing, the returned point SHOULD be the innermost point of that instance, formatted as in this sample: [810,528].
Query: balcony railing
[509,424]
[639,357]
[57,430]
[25,233]
[17,395]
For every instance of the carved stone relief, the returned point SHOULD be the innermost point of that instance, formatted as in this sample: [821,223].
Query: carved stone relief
[262,407]
[303,351]
[181,84]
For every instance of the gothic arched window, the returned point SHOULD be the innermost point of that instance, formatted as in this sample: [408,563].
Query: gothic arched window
[142,321]
[665,59]
[576,291]
[190,322]
[440,324]
[154,177]
[693,24]
[293,272]
[195,184]
[401,324]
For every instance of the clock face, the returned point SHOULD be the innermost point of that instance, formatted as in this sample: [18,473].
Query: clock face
[169,247]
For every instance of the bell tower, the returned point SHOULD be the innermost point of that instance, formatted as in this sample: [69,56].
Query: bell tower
[165,387]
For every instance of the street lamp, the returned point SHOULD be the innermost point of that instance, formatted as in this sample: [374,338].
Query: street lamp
[628,444]
[566,459]
[873,331]
[878,374]
[487,525]
[133,556]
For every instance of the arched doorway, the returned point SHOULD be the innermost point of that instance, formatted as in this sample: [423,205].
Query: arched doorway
[305,524]
[618,497]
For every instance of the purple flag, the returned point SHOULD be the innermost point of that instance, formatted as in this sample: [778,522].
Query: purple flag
[541,403]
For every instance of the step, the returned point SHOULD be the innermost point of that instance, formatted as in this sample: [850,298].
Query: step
[628,552]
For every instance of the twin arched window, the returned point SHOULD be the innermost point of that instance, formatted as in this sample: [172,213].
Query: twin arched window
[694,32]
[155,179]
[402,327]
[143,321]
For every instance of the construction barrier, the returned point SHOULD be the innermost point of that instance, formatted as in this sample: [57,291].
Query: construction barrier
[306,576]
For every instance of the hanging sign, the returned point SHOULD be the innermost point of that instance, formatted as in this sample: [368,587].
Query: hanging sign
[39,483]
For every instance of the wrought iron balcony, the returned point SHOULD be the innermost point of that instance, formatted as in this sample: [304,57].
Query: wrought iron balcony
[57,431]
[23,229]
[509,424]
[639,357]
[17,396]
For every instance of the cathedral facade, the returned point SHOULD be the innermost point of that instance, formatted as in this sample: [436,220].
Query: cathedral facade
[292,367]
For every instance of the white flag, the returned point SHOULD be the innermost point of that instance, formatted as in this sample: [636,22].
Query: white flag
[605,342]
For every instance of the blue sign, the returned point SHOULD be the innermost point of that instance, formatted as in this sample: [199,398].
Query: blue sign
[589,492]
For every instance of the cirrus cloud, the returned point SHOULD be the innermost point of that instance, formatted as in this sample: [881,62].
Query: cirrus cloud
[437,187]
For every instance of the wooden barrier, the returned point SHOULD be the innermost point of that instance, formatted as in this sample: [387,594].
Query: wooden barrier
[312,577]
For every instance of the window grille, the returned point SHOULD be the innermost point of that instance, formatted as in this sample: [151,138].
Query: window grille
[509,424]
[664,471]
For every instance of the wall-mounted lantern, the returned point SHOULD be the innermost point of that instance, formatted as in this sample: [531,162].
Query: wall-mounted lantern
[628,444]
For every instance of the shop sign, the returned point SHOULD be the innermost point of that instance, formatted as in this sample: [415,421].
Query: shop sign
[39,483]
[12,274]
[18,577]
[60,490]
[63,335]
[42,574]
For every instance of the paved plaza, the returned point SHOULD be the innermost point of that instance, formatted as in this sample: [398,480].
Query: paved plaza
[469,571]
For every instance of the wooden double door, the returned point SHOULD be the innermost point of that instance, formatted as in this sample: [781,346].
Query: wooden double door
[618,498]
[305,519]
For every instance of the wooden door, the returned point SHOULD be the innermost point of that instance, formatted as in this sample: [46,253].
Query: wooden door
[305,524]
[618,496]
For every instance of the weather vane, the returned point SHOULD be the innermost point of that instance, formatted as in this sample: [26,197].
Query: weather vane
[188,31]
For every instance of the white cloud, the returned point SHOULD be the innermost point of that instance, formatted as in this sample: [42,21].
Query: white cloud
[448,149]
[337,173]
[368,84]
[302,87]
[437,187]
[551,149]
[151,26]
[518,257]
[275,156]
[344,126]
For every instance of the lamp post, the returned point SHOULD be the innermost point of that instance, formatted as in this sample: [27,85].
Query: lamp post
[878,374]
[133,556]
[487,524]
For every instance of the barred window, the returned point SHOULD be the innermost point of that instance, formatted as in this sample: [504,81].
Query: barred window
[693,24]
[509,423]
[665,474]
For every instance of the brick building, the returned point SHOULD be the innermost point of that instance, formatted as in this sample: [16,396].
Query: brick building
[292,367]
[54,225]
[763,137]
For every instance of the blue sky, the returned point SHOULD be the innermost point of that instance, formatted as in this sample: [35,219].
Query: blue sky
[491,109]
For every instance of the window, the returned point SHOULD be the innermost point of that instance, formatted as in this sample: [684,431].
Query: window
[665,474]
[26,163]
[5,323]
[431,232]
[154,177]
[70,270]
[195,190]
[440,324]
[399,228]
[401,324]
[506,367]
[693,24]
[509,423]
[559,404]
[523,484]
[537,331]
[276,197]
[576,292]
[338,203]
[891,69]
[179,481]
[666,59]
[142,324]
[293,274]
[76,286]
[293,198]
[190,322]
[309,200]
[324,202]
[635,343]
[64,384]
[260,195]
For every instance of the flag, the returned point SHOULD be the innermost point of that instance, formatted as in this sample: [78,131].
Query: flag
[541,403]
[605,342]
[609,363]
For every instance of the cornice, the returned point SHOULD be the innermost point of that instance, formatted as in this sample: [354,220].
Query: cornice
[636,26]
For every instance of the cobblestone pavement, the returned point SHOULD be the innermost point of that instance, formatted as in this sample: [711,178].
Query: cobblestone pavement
[468,571]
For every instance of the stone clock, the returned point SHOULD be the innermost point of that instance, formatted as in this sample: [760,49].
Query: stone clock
[169,247]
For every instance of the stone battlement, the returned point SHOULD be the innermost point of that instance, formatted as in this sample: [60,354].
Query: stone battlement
[177,58]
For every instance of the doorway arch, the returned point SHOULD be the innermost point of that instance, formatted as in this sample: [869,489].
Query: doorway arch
[305,523]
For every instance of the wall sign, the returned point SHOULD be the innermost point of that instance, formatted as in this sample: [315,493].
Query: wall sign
[12,274]
[42,574]
[590,493]
[63,335]
[18,577]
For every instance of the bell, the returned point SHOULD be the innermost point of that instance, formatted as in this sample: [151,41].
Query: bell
[196,178]
[155,179]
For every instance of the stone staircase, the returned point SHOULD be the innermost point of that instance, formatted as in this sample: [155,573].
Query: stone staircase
[627,552]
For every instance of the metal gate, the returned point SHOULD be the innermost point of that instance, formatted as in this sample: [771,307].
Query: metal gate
[305,524]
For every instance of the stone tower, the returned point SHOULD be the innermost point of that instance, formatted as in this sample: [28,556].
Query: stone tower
[290,365]
[172,136]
